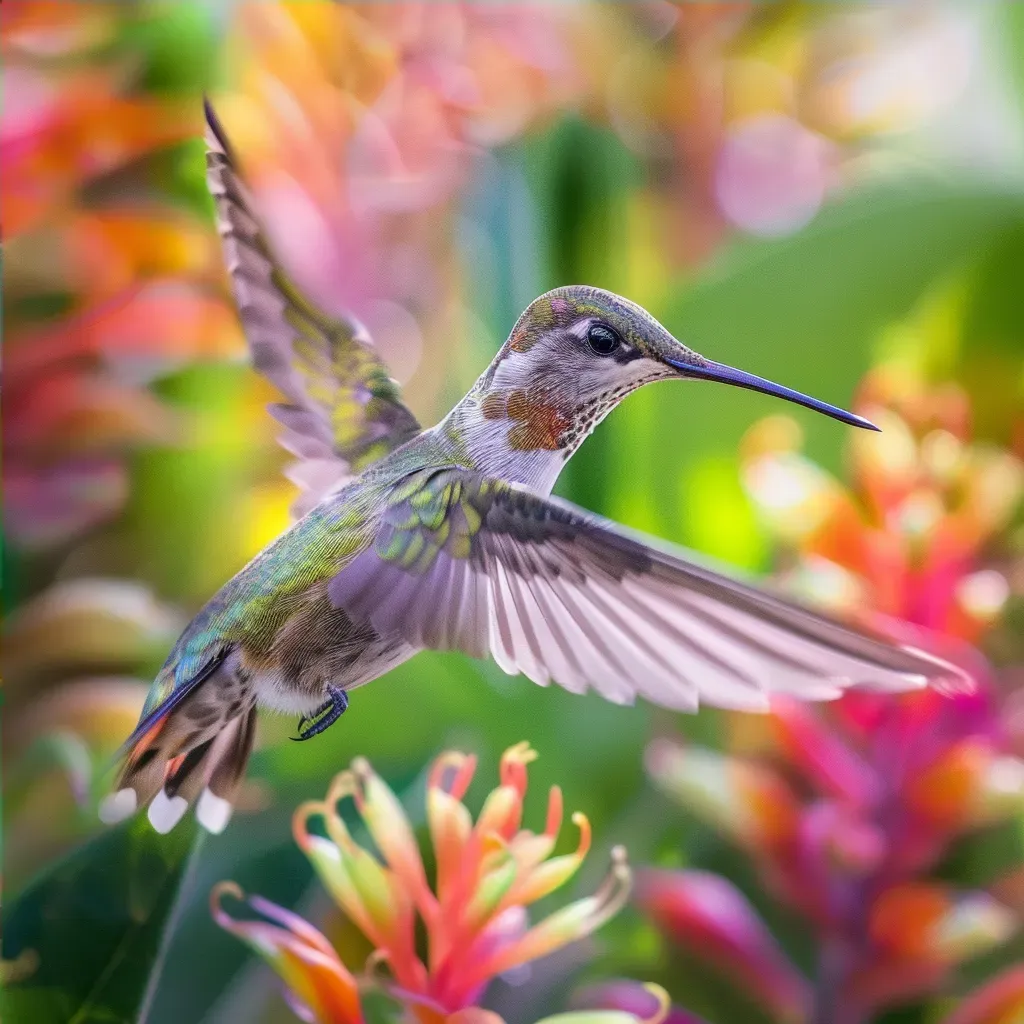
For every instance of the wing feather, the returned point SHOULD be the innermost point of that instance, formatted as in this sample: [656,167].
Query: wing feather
[727,678]
[555,593]
[584,661]
[532,654]
[342,411]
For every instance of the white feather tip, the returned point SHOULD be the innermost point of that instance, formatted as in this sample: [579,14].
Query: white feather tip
[115,807]
[166,811]
[213,812]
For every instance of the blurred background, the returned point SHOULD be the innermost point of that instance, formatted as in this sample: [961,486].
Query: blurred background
[825,194]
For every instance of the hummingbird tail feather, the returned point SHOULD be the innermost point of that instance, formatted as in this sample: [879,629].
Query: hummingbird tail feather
[226,763]
[172,765]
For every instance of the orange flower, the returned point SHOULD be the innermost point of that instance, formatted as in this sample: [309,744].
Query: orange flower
[473,914]
[928,921]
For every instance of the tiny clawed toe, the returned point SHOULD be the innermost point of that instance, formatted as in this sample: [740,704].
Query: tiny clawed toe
[324,717]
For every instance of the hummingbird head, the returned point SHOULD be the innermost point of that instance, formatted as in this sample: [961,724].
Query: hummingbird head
[574,354]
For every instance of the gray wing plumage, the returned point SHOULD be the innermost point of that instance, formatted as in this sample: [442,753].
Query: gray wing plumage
[343,410]
[473,564]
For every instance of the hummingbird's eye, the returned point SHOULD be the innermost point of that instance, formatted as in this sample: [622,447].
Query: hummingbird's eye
[602,339]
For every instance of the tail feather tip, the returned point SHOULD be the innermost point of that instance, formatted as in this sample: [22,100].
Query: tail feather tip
[213,812]
[166,811]
[117,806]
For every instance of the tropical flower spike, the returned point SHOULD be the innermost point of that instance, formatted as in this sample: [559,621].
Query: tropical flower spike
[473,915]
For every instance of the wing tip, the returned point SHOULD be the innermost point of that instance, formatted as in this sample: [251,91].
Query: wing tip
[216,129]
[944,676]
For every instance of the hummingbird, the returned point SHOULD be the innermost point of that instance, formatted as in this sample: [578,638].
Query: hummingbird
[448,538]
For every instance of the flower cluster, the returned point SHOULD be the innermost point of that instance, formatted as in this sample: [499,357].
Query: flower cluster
[846,817]
[473,914]
[849,812]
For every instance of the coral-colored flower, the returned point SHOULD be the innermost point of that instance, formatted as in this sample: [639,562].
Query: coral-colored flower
[473,913]
[879,809]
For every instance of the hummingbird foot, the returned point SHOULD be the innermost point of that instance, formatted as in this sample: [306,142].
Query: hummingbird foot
[325,716]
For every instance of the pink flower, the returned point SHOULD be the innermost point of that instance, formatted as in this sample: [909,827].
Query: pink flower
[709,916]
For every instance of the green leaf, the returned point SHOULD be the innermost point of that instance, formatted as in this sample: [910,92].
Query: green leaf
[98,924]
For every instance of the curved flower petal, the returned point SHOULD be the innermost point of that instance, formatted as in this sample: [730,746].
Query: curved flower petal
[648,1004]
[712,918]
[298,952]
[369,892]
[352,876]
[633,1001]
[573,922]
[552,874]
[449,820]
[924,920]
[388,825]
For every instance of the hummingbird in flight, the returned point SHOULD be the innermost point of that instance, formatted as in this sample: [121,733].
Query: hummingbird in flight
[448,538]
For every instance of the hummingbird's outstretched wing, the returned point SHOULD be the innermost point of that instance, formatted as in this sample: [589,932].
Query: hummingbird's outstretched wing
[343,410]
[465,562]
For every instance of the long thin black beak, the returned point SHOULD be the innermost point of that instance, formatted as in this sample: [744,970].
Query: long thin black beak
[729,375]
